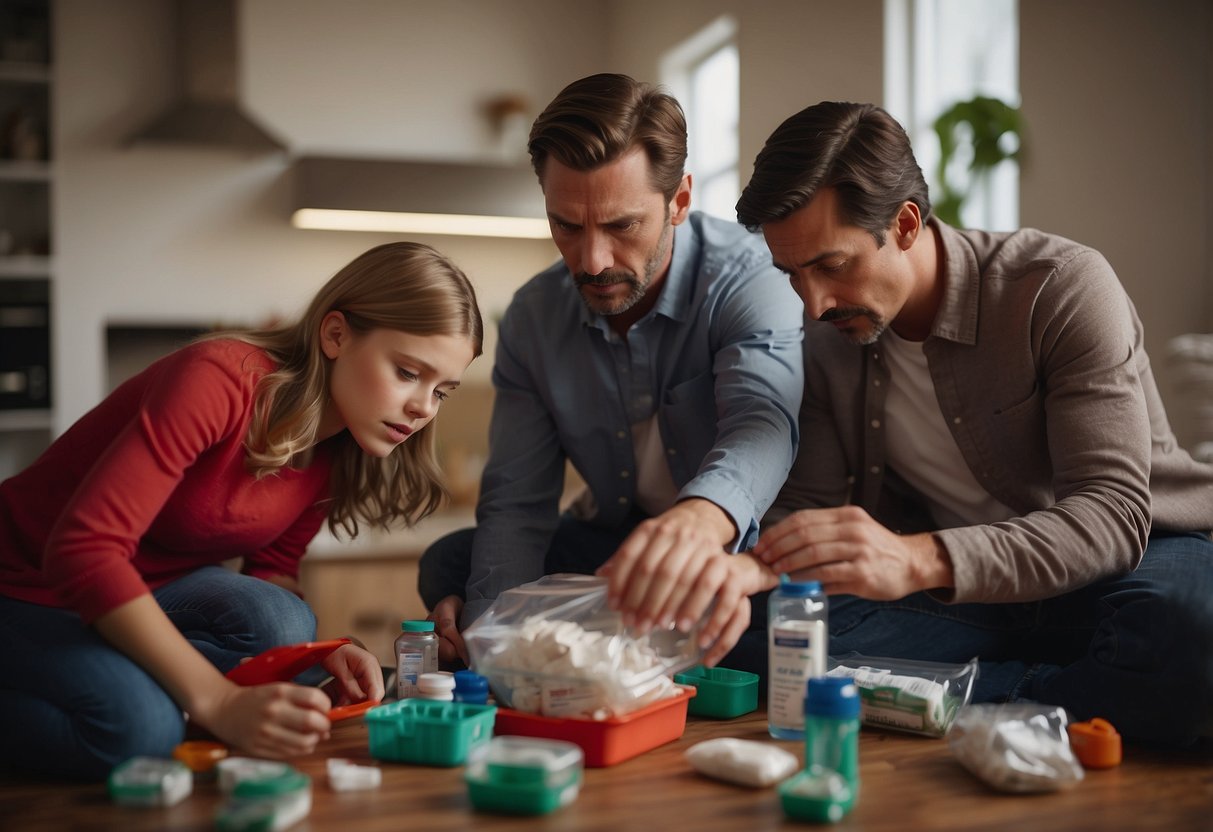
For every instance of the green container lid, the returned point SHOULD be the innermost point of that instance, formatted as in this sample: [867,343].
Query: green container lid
[417,626]
[290,781]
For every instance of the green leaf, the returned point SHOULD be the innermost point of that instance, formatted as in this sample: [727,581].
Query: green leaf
[982,122]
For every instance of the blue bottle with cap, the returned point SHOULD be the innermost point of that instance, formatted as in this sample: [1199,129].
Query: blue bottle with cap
[471,687]
[831,746]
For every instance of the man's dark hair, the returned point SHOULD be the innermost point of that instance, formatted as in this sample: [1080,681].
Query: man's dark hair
[859,150]
[600,118]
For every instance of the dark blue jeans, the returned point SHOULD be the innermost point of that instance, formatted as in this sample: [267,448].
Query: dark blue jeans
[1136,650]
[73,706]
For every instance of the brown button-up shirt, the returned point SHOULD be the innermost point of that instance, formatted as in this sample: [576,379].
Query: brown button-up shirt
[1037,359]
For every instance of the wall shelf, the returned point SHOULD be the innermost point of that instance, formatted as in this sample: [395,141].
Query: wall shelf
[26,265]
[20,72]
[18,420]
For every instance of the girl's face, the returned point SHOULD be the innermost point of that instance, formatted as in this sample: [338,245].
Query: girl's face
[384,384]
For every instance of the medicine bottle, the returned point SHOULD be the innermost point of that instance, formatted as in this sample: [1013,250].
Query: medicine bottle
[831,742]
[796,638]
[416,653]
[438,686]
[471,687]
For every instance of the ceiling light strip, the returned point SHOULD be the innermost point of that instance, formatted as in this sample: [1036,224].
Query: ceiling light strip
[409,223]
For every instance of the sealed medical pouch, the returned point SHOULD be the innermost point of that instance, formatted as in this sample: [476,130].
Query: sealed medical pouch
[906,695]
[553,647]
[1016,747]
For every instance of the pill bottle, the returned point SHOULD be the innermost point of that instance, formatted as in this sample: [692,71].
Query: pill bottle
[439,686]
[831,741]
[416,653]
[796,639]
[471,687]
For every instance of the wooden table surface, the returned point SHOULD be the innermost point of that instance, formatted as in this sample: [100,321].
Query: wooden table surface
[907,783]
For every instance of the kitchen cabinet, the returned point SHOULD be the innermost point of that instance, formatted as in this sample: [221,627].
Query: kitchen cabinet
[26,184]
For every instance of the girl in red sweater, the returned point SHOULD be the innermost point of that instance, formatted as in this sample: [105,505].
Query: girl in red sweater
[116,616]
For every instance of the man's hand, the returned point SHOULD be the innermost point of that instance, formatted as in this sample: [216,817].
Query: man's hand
[655,569]
[852,554]
[446,624]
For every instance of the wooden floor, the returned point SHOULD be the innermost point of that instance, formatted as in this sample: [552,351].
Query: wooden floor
[908,783]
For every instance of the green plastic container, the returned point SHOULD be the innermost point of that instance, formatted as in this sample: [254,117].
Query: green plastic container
[524,775]
[722,693]
[428,732]
[820,798]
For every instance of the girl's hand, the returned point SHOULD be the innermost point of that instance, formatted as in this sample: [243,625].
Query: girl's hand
[275,720]
[357,675]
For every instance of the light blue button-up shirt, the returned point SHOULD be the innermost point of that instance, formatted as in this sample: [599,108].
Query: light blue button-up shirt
[717,359]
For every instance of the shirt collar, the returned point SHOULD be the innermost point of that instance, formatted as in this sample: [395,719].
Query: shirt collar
[957,317]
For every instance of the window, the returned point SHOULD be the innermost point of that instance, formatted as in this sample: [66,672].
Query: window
[939,52]
[703,73]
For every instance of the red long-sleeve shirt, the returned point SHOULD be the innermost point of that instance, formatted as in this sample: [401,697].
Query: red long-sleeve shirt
[151,485]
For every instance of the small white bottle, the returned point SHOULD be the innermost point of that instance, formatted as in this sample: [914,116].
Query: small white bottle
[796,642]
[438,686]
[416,653]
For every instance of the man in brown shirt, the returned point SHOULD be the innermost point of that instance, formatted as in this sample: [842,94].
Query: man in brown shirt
[985,464]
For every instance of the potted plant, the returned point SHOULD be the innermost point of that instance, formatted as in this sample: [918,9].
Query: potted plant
[992,129]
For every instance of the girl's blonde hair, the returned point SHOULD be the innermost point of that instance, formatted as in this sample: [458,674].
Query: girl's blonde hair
[408,287]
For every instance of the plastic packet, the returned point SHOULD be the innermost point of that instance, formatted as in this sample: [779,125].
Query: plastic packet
[745,762]
[907,695]
[1017,747]
[553,647]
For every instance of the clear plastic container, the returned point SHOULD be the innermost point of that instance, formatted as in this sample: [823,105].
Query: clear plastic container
[236,770]
[525,776]
[797,641]
[266,805]
[416,653]
[150,781]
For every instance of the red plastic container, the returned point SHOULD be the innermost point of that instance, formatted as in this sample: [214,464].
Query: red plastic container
[606,742]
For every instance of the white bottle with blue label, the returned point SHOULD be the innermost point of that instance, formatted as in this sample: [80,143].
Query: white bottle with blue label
[796,640]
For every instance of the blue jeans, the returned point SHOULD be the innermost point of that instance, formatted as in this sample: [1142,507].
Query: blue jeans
[1136,650]
[71,705]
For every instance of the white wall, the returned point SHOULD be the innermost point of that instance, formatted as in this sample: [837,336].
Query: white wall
[167,233]
[793,52]
[1116,97]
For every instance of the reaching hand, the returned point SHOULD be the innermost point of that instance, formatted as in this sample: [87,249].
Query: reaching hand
[673,568]
[275,720]
[357,674]
[445,616]
[852,554]
[654,572]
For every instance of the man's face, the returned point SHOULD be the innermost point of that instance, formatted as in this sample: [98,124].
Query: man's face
[613,231]
[837,269]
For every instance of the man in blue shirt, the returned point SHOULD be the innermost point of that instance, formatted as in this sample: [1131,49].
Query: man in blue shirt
[661,358]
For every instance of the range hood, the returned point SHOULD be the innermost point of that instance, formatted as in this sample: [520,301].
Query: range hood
[206,64]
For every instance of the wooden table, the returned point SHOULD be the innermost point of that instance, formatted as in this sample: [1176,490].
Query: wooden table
[908,783]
